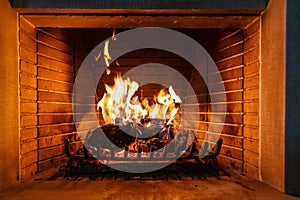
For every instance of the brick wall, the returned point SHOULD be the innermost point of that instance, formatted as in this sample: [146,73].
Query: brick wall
[28,100]
[225,46]
[50,59]
[55,77]
[251,98]
[236,54]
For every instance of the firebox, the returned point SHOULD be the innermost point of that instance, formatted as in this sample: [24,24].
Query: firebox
[51,57]
[54,44]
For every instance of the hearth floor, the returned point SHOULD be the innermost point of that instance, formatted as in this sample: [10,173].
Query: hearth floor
[136,187]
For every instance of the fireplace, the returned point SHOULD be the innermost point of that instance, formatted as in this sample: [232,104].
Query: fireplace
[53,44]
[51,57]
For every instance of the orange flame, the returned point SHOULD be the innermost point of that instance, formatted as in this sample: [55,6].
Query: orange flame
[114,37]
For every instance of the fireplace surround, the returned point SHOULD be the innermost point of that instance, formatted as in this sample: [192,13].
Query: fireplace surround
[53,44]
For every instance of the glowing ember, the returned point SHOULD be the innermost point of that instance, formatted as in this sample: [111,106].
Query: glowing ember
[107,71]
[118,105]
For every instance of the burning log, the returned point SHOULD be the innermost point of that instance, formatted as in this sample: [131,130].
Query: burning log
[128,138]
[114,134]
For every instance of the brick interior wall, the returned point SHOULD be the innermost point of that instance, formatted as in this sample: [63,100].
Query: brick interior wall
[28,100]
[50,59]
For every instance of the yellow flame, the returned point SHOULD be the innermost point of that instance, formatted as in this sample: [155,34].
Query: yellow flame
[107,71]
[114,37]
[120,105]
[106,54]
[174,96]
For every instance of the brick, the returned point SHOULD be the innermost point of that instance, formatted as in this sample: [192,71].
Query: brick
[251,120]
[229,118]
[28,120]
[251,171]
[234,118]
[234,96]
[251,94]
[28,133]
[55,42]
[252,28]
[252,42]
[232,141]
[54,53]
[54,108]
[54,64]
[27,27]
[251,158]
[55,75]
[55,86]
[28,80]
[27,40]
[234,107]
[28,172]
[251,145]
[251,55]
[230,96]
[55,119]
[28,159]
[46,142]
[51,163]
[51,152]
[231,38]
[229,63]
[28,107]
[252,68]
[28,94]
[27,54]
[251,81]
[56,129]
[231,152]
[231,162]
[229,51]
[58,33]
[231,130]
[251,106]
[64,97]
[28,146]
[226,75]
[251,132]
[28,67]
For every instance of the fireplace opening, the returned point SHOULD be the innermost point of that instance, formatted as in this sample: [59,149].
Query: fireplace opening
[50,59]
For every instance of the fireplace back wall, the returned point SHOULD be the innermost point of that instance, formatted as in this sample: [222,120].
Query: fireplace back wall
[50,57]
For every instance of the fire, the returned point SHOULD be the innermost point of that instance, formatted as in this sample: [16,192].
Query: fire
[106,54]
[120,106]
[114,37]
